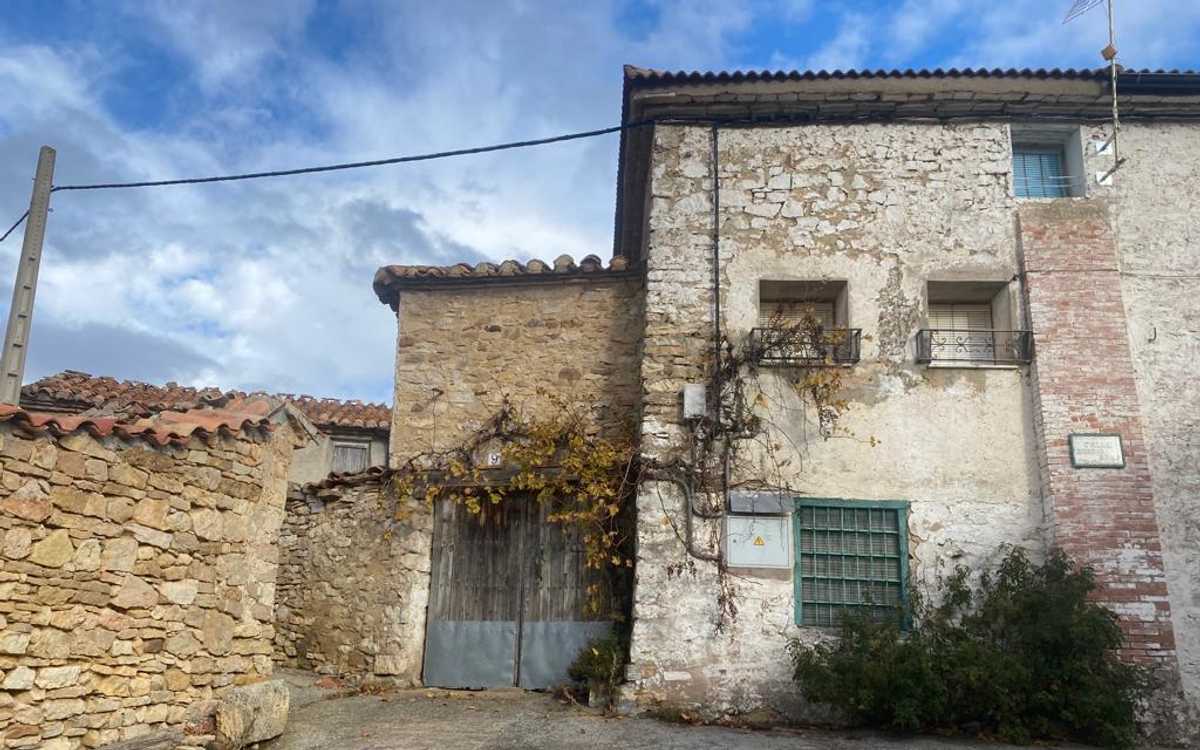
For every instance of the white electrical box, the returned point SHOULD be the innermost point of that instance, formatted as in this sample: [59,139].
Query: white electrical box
[694,406]
[758,541]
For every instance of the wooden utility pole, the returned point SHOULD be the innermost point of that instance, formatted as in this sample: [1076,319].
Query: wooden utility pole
[20,313]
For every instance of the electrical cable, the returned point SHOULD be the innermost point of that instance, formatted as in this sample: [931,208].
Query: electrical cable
[360,164]
[345,165]
[13,228]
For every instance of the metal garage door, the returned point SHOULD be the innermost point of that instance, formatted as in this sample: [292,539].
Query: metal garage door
[508,598]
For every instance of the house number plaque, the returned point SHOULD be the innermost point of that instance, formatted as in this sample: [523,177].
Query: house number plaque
[1097,451]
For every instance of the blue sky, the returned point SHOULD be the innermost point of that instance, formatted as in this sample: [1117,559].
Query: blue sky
[267,284]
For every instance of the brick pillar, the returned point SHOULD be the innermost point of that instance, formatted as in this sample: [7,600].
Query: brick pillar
[1084,383]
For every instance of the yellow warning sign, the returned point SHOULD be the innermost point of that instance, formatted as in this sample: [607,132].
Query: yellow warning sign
[758,541]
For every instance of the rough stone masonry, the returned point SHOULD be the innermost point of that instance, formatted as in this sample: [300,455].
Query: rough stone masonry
[353,581]
[137,573]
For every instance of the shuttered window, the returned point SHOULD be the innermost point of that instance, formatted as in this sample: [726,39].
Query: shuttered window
[962,333]
[1039,173]
[851,555]
[792,313]
[961,317]
[349,458]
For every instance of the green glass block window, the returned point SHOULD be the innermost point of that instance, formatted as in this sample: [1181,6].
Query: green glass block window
[849,555]
[1038,172]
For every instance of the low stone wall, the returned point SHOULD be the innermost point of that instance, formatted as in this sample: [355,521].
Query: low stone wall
[353,581]
[136,579]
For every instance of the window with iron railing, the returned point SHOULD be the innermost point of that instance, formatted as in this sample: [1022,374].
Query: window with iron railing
[805,346]
[963,333]
[802,323]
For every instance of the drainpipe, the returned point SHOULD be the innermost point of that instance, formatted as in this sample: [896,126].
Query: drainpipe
[716,283]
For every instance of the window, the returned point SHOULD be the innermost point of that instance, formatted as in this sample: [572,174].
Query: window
[804,323]
[1038,172]
[851,555]
[971,323]
[350,457]
[1047,161]
[962,332]
[794,312]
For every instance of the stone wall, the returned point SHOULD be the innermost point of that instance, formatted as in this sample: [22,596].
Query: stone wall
[136,580]
[886,208]
[461,349]
[1154,218]
[353,581]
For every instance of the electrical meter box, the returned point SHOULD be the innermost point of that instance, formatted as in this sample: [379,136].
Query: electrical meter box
[758,541]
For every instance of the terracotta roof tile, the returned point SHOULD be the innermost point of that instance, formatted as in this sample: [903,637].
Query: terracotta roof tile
[164,428]
[634,73]
[73,392]
[390,279]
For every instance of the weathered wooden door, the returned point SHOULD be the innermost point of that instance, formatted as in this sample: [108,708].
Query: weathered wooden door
[508,598]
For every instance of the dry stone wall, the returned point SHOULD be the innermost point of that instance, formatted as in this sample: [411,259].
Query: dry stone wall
[353,582]
[136,581]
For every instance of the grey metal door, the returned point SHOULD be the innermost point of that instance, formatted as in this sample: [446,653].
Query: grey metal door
[508,598]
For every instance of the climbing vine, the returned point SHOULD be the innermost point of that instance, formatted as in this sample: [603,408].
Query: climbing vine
[739,444]
[554,456]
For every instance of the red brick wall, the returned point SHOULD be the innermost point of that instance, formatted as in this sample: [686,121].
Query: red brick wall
[1084,382]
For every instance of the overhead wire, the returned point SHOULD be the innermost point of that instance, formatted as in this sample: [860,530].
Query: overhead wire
[343,166]
[18,223]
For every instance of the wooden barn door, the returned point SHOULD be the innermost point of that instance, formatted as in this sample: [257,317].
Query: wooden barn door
[507,600]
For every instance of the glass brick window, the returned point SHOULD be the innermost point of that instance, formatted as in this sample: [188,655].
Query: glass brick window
[1038,172]
[850,555]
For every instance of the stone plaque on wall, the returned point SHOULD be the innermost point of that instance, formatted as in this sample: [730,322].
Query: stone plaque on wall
[1097,451]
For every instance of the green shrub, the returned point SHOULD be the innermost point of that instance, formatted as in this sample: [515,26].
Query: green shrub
[600,665]
[1023,655]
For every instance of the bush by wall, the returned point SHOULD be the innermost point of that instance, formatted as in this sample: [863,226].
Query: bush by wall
[1021,655]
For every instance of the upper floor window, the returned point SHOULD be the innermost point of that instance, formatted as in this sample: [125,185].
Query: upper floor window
[804,323]
[972,323]
[1047,162]
[350,458]
[1038,172]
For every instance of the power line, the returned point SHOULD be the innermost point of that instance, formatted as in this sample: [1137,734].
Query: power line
[360,164]
[11,229]
[346,165]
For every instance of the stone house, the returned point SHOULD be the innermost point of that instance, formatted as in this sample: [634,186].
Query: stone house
[1009,323]
[346,436]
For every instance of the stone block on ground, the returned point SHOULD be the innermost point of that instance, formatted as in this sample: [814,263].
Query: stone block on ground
[252,713]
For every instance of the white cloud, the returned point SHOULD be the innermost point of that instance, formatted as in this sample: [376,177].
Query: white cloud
[267,284]
[849,47]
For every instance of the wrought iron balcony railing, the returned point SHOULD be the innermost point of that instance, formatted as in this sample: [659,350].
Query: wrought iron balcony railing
[791,347]
[979,347]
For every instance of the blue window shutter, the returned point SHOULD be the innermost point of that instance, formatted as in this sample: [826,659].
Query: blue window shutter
[1038,173]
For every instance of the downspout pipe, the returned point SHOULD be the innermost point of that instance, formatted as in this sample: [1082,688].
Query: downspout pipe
[716,286]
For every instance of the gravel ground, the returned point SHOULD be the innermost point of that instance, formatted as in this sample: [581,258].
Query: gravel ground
[514,719]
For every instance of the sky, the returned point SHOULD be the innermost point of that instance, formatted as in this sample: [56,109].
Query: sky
[267,284]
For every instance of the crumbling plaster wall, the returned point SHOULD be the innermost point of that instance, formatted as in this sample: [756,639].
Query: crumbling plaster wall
[136,581]
[1156,197]
[461,350]
[313,462]
[885,207]
[353,582]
